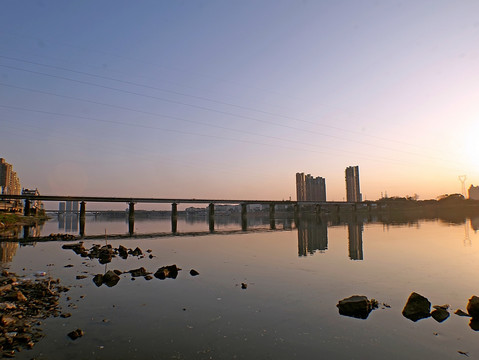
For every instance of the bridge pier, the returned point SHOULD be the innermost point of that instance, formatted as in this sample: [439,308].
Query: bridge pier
[244,217]
[272,223]
[211,216]
[318,209]
[174,218]
[131,218]
[26,209]
[82,218]
[296,212]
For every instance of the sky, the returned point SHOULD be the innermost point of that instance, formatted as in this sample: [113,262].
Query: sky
[229,99]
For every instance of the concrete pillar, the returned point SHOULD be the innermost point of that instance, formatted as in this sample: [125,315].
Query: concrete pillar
[26,232]
[82,218]
[131,219]
[174,218]
[272,223]
[211,216]
[296,212]
[244,217]
[318,209]
[354,207]
[26,209]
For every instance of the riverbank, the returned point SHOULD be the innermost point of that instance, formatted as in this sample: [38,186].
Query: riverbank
[8,220]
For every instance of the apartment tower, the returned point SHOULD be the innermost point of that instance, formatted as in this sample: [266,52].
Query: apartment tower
[309,188]
[353,194]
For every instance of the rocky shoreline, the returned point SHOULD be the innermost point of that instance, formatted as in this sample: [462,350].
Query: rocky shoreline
[24,303]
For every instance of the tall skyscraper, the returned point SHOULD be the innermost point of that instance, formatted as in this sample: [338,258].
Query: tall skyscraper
[353,194]
[309,188]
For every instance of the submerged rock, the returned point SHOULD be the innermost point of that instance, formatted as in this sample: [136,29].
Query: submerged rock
[473,307]
[170,271]
[98,279]
[440,314]
[417,307]
[474,324]
[138,272]
[75,334]
[357,306]
[193,272]
[459,312]
[136,252]
[110,278]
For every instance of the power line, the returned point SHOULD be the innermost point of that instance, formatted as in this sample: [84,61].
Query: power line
[214,110]
[202,98]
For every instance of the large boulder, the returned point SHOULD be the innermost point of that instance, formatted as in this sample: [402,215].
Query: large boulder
[473,307]
[357,306]
[417,307]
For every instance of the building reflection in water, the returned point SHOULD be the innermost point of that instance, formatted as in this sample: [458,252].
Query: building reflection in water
[7,251]
[68,222]
[355,237]
[312,236]
[475,223]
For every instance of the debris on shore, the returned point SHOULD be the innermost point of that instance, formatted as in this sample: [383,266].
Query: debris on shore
[23,303]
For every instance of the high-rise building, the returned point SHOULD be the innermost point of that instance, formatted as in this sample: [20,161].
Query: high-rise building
[309,188]
[9,181]
[353,194]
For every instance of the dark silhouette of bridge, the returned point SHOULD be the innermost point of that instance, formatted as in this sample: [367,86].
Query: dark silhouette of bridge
[319,207]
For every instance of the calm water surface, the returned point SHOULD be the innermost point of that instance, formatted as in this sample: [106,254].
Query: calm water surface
[295,278]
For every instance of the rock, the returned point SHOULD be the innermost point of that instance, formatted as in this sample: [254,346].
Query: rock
[137,252]
[123,252]
[7,320]
[473,307]
[148,277]
[417,307]
[357,306]
[193,272]
[5,288]
[138,272]
[440,314]
[23,338]
[461,313]
[110,278]
[244,285]
[118,272]
[98,279]
[444,307]
[170,271]
[65,315]
[79,277]
[474,324]
[105,255]
[21,297]
[75,334]
[69,266]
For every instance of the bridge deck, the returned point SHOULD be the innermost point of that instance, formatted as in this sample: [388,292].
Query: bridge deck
[107,199]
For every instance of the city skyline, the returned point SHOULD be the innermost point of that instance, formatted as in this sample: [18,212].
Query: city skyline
[195,103]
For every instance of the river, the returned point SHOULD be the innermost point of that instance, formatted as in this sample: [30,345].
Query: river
[294,277]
